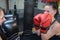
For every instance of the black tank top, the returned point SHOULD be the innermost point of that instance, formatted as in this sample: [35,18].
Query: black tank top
[55,37]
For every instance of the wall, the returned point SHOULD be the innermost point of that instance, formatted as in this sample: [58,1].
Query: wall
[19,4]
[40,6]
[3,4]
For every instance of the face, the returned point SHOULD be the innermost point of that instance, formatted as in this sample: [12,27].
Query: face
[50,10]
[2,18]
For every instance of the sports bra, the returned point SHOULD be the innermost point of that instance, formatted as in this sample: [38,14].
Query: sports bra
[55,37]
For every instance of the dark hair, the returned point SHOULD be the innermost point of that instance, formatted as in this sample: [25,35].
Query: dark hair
[55,6]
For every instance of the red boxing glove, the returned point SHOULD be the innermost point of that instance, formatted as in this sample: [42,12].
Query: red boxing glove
[42,20]
[37,20]
[46,20]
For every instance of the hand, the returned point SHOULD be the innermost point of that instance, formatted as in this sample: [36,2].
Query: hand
[38,32]
[34,31]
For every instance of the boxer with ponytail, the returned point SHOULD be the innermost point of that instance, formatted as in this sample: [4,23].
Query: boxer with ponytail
[49,28]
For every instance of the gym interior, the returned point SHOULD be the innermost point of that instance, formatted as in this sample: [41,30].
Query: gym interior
[19,19]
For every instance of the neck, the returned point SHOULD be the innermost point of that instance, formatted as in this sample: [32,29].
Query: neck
[53,19]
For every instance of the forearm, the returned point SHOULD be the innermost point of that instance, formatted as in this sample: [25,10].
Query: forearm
[44,36]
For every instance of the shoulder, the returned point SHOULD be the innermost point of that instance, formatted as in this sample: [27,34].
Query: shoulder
[57,25]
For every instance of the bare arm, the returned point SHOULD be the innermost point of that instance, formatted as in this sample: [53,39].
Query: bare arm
[51,32]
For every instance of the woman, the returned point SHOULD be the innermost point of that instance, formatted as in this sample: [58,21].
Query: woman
[54,30]
[2,19]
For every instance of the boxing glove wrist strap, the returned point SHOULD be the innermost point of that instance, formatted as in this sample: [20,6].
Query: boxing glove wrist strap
[37,26]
